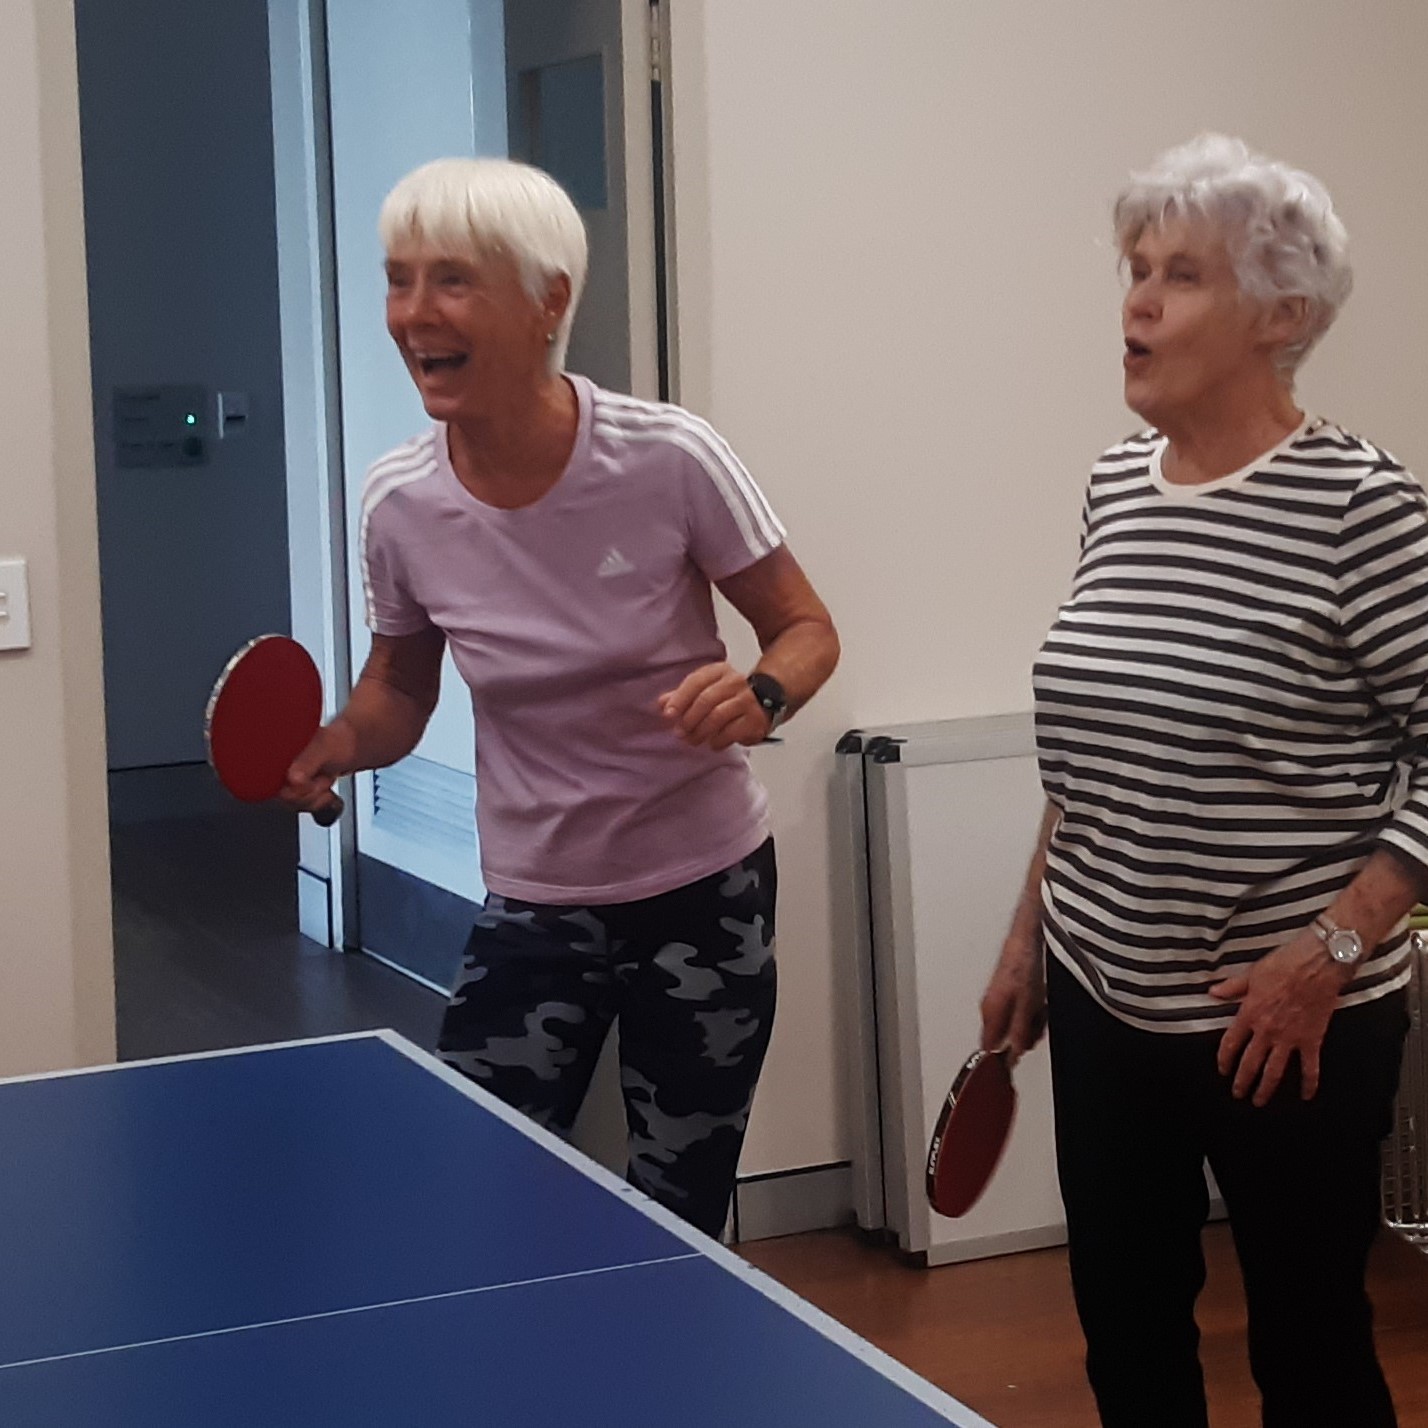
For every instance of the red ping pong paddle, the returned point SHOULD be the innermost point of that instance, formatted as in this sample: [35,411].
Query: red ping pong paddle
[971,1132]
[264,709]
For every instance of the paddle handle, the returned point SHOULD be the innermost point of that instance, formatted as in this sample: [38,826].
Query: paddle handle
[325,815]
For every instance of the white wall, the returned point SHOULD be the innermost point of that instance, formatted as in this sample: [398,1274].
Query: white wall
[897,297]
[56,964]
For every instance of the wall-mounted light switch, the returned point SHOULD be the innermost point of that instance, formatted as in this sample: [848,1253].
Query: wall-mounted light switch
[14,606]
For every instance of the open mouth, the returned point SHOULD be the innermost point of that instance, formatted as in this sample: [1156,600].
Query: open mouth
[1136,349]
[430,363]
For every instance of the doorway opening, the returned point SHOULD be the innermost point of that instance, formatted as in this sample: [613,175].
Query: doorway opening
[234,159]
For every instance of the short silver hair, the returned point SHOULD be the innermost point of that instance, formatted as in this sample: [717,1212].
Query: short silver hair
[1278,225]
[468,208]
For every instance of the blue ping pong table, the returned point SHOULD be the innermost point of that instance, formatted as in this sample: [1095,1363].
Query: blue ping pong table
[344,1231]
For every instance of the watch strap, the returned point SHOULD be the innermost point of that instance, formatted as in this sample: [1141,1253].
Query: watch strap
[771,696]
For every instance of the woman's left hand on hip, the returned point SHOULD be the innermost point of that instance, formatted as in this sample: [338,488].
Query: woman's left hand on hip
[1286,1000]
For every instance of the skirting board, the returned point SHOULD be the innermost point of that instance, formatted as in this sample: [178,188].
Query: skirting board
[820,1197]
[315,907]
[960,1251]
[793,1202]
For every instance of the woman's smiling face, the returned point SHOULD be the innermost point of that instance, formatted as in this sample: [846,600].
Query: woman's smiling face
[467,329]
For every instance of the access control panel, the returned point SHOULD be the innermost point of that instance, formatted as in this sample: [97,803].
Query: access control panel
[161,426]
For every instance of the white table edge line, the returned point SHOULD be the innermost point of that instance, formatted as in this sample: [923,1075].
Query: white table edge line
[344,1313]
[196,1056]
[911,1383]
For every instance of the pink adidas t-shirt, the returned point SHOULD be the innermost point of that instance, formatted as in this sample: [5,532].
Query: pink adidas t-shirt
[568,619]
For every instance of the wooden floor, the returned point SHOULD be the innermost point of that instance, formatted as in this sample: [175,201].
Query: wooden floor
[1001,1334]
[208,955]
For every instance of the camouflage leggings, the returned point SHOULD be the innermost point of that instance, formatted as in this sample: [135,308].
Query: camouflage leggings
[690,975]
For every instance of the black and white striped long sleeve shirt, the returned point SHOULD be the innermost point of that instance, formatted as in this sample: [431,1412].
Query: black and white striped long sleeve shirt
[1232,714]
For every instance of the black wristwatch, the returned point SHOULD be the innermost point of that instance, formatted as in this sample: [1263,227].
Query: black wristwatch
[772,700]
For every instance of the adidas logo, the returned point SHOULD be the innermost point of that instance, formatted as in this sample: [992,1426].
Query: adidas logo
[614,564]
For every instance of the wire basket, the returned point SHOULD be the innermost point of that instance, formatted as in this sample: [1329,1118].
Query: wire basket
[1405,1152]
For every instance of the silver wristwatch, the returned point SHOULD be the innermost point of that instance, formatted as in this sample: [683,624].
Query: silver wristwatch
[1345,945]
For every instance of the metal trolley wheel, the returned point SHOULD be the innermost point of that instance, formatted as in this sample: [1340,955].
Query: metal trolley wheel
[1405,1152]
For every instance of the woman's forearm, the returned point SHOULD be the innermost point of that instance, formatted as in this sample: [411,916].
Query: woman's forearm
[1025,930]
[1386,889]
[801,658]
[1027,917]
[380,725]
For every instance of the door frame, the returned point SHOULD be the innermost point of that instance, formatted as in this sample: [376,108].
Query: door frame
[312,388]
[312,397]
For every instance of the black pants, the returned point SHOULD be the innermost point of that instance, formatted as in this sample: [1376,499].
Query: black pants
[691,979]
[1138,1114]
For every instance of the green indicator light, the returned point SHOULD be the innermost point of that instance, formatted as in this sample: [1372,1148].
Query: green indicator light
[191,419]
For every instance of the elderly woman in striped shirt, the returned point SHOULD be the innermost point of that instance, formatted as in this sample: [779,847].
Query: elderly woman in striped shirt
[1231,720]
[565,542]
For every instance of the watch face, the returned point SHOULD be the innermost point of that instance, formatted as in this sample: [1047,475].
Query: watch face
[1345,946]
[769,692]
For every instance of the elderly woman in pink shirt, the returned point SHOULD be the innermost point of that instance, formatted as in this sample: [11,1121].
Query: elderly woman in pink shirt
[565,542]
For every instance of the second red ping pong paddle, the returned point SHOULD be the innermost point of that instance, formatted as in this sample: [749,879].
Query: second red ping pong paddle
[264,709]
[971,1132]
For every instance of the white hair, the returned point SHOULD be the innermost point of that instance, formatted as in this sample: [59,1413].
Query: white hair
[1278,225]
[467,208]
